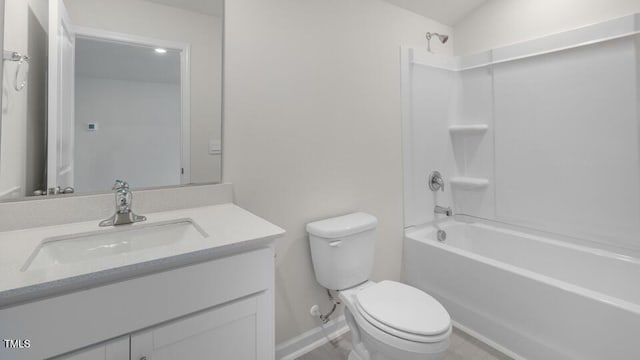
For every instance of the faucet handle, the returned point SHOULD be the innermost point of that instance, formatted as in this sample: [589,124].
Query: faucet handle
[120,185]
[435,181]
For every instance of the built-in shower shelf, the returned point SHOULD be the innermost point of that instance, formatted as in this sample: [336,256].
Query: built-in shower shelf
[475,129]
[469,183]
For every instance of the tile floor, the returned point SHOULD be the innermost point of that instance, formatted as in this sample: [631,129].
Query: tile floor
[463,347]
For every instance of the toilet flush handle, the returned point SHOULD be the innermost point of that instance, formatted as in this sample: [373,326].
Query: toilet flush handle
[335,243]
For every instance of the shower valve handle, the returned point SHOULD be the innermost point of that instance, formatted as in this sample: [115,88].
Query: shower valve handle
[435,181]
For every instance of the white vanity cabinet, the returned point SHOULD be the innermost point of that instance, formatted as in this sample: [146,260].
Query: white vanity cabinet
[225,332]
[228,331]
[220,308]
[113,350]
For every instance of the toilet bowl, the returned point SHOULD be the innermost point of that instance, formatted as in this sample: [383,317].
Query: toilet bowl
[394,321]
[388,320]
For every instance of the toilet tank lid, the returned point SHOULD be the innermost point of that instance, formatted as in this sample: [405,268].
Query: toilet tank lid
[342,225]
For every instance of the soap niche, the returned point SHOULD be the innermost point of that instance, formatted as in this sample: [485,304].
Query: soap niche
[470,183]
[467,141]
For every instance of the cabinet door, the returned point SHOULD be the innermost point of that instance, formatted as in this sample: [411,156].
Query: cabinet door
[229,331]
[113,350]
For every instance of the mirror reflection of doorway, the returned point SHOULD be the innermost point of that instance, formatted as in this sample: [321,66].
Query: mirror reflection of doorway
[129,119]
[39,129]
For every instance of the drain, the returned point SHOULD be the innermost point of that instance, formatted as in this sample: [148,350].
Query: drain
[442,235]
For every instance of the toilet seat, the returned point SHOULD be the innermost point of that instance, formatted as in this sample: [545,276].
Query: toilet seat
[404,312]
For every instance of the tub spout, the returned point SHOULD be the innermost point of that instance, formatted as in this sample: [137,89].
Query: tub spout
[443,211]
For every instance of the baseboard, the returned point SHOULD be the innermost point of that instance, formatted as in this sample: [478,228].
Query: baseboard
[310,340]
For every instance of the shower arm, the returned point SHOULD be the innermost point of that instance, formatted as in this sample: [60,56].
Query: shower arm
[443,39]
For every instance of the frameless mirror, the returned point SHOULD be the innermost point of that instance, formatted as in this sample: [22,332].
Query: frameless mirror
[98,90]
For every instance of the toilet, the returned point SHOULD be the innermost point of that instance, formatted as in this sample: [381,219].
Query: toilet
[388,320]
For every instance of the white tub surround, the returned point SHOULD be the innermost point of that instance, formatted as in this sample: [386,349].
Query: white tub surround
[523,133]
[477,129]
[469,183]
[531,296]
[522,136]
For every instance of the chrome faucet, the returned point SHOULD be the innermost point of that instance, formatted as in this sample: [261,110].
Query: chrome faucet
[124,200]
[435,181]
[443,210]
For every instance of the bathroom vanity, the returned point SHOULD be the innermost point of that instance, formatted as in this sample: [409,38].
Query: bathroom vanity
[78,291]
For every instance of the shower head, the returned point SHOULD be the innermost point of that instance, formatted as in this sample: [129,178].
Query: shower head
[443,39]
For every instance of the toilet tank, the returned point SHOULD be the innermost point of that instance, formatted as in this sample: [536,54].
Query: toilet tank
[343,249]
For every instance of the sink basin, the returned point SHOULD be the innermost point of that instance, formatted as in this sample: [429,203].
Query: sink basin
[67,249]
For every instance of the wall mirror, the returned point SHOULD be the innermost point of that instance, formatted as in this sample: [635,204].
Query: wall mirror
[98,90]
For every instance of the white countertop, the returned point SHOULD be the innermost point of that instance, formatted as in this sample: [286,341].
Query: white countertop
[230,230]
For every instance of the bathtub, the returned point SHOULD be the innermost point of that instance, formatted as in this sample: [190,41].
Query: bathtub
[529,295]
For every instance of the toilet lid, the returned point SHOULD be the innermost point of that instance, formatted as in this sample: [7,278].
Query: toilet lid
[404,308]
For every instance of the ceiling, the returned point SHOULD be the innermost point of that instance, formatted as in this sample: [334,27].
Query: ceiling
[448,12]
[112,60]
[207,7]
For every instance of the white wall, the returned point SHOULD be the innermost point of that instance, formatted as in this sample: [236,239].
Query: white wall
[2,3]
[36,161]
[503,22]
[23,113]
[138,136]
[14,111]
[203,32]
[313,127]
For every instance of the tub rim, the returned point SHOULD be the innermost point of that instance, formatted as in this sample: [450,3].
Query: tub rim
[593,248]
[412,232]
